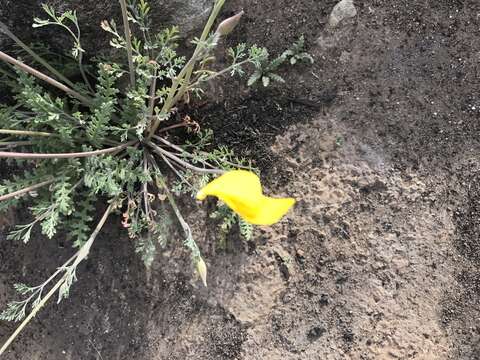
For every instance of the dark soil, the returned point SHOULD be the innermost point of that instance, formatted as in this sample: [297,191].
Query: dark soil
[379,141]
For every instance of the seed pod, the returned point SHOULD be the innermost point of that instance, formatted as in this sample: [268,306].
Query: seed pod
[202,270]
[227,25]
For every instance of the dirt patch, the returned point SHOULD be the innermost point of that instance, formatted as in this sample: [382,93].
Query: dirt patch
[379,141]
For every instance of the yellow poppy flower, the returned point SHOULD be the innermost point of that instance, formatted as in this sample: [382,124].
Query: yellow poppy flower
[242,192]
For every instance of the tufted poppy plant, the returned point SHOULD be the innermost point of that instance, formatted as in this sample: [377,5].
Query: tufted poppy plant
[242,192]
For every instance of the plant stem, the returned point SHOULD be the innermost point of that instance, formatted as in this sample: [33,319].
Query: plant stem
[128,40]
[216,10]
[25,133]
[44,77]
[85,249]
[189,241]
[80,61]
[187,70]
[166,142]
[151,103]
[183,152]
[32,314]
[172,167]
[26,190]
[79,256]
[82,72]
[37,57]
[213,76]
[206,163]
[171,127]
[20,155]
[157,149]
[13,144]
[145,187]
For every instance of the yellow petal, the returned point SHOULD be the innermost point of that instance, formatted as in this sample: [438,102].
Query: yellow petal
[235,184]
[271,211]
[242,192]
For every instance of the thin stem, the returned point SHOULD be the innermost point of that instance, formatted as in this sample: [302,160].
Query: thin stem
[168,102]
[25,133]
[206,163]
[157,149]
[153,86]
[189,241]
[166,142]
[44,77]
[84,251]
[145,186]
[37,57]
[183,152]
[151,101]
[20,155]
[13,144]
[128,41]
[187,70]
[82,72]
[26,190]
[32,314]
[95,348]
[172,167]
[171,127]
[216,10]
[220,73]
[80,60]
[79,256]
[79,49]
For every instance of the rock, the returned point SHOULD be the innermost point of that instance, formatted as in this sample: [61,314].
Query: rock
[189,15]
[316,333]
[345,9]
[324,299]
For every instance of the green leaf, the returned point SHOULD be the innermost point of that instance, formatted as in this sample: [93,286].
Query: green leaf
[266,80]
[276,78]
[254,78]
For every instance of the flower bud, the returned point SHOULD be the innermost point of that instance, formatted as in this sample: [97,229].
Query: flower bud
[105,25]
[227,25]
[202,270]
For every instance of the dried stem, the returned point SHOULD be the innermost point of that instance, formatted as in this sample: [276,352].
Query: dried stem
[24,133]
[128,40]
[44,77]
[26,190]
[20,155]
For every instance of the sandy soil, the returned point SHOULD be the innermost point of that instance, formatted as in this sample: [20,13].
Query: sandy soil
[380,259]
